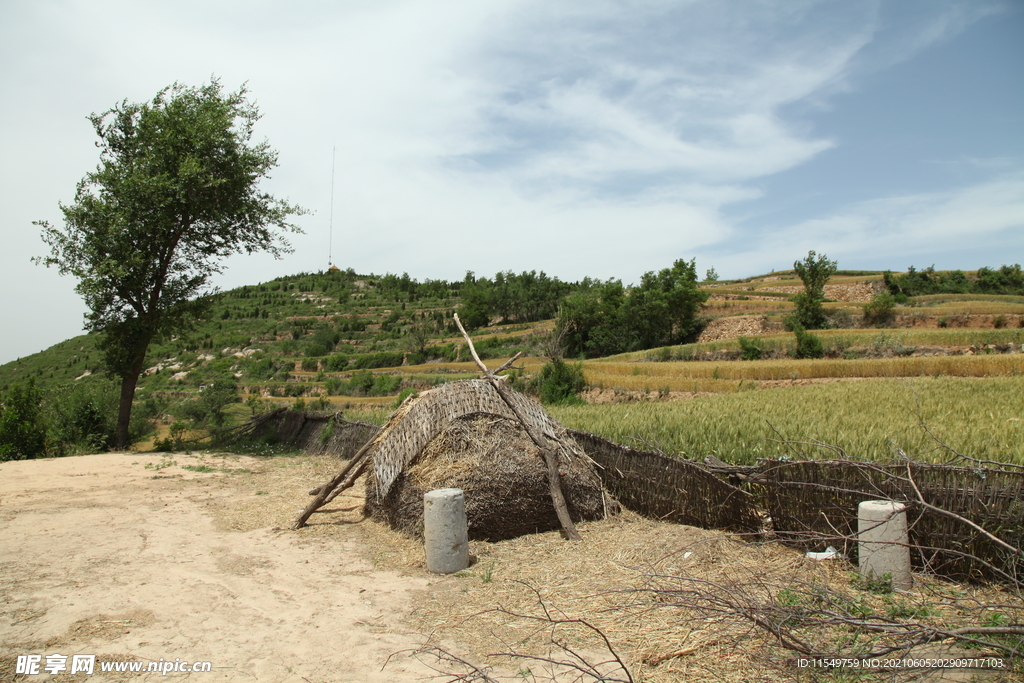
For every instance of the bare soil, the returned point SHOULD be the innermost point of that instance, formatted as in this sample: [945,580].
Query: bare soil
[117,556]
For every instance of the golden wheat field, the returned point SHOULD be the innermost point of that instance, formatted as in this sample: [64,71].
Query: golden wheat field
[686,376]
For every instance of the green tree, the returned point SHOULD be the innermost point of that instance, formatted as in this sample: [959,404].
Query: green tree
[603,318]
[175,192]
[814,271]
[663,309]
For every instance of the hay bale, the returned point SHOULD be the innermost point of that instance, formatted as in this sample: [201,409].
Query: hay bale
[493,460]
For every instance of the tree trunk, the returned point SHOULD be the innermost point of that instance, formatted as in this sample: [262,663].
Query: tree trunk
[124,411]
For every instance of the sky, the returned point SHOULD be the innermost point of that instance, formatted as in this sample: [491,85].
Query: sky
[599,138]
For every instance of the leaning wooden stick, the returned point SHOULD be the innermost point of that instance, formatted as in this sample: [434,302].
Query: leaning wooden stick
[546,449]
[345,479]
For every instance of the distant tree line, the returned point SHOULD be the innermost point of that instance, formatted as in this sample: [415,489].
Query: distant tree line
[1005,280]
[603,318]
[510,298]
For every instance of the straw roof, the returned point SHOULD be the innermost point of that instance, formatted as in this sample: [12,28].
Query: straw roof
[421,418]
[462,435]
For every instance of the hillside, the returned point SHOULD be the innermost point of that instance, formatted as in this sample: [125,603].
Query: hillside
[361,336]
[340,340]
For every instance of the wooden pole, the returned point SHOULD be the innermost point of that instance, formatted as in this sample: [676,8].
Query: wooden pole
[345,479]
[547,450]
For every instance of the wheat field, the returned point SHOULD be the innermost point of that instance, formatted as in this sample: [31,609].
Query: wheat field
[872,419]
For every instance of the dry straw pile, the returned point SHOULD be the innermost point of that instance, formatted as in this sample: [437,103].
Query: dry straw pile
[462,435]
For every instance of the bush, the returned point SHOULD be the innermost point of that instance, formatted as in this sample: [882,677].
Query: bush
[209,407]
[83,417]
[751,349]
[808,345]
[315,350]
[385,385]
[881,310]
[22,430]
[560,383]
[336,363]
[334,386]
[361,382]
[406,393]
[383,359]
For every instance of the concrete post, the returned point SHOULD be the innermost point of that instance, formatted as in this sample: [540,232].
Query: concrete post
[445,532]
[883,542]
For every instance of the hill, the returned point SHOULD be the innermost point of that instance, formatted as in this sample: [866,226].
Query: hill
[342,339]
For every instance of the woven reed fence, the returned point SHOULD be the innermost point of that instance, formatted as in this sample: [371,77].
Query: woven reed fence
[316,434]
[814,503]
[668,488]
[811,503]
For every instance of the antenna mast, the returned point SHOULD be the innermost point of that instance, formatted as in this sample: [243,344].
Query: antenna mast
[330,239]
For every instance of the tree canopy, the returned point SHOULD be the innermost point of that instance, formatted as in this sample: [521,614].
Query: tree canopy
[603,318]
[175,192]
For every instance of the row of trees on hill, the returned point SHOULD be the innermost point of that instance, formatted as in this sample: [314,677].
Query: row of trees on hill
[510,298]
[1004,280]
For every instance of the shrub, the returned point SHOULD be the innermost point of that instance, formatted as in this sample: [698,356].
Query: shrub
[361,382]
[83,417]
[316,350]
[209,407]
[334,386]
[406,393]
[22,431]
[999,322]
[751,349]
[385,385]
[881,310]
[808,345]
[336,363]
[383,359]
[560,383]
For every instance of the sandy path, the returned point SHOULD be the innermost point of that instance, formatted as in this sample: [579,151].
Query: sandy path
[100,555]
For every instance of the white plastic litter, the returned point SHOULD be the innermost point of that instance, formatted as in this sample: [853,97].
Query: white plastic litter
[829,553]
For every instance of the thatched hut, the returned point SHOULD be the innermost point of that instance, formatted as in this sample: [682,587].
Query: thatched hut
[462,435]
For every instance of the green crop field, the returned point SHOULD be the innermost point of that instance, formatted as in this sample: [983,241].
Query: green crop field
[981,417]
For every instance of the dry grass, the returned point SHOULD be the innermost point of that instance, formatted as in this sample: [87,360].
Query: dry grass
[679,375]
[616,580]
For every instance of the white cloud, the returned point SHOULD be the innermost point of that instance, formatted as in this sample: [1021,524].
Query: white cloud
[604,138]
[875,231]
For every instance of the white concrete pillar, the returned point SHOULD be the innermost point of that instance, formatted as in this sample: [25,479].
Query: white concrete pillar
[445,532]
[883,542]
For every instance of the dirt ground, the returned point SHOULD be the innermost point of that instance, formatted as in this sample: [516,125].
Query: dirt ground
[146,557]
[117,556]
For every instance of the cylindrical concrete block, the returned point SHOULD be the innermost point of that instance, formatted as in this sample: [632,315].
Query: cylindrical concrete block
[445,533]
[883,542]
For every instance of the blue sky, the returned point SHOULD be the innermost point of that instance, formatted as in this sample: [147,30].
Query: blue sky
[599,138]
